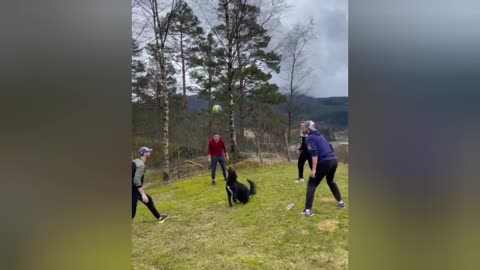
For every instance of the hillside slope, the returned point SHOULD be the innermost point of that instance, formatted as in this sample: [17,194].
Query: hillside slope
[204,233]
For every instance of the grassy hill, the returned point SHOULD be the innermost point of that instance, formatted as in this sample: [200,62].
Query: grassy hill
[204,233]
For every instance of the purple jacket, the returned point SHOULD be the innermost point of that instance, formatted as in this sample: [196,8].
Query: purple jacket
[319,147]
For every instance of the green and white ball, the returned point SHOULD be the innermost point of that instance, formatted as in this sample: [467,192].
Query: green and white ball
[216,108]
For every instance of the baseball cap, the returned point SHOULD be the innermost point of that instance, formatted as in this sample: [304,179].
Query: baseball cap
[144,150]
[310,125]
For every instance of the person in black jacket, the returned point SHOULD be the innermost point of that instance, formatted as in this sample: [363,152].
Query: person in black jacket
[138,194]
[304,154]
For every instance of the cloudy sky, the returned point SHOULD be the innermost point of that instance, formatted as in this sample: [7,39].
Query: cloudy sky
[327,55]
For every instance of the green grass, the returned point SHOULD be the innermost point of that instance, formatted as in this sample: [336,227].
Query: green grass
[204,233]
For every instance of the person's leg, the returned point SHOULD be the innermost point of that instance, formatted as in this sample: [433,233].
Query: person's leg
[301,163]
[221,160]
[135,198]
[313,184]
[151,207]
[213,167]
[331,181]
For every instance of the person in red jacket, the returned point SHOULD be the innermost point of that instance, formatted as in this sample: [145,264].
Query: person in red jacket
[216,150]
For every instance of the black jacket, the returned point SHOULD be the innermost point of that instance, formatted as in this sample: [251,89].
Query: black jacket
[303,143]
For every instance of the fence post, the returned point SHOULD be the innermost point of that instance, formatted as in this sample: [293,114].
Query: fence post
[288,150]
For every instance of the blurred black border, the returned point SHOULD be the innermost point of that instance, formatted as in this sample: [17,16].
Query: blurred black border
[414,95]
[66,118]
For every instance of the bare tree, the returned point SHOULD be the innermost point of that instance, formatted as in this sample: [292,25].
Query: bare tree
[161,20]
[293,48]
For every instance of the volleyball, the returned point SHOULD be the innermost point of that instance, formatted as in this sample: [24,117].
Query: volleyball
[216,108]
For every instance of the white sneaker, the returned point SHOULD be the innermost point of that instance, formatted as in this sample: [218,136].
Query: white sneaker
[301,180]
[307,213]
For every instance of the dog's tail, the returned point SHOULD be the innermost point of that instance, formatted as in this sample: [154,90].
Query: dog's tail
[253,189]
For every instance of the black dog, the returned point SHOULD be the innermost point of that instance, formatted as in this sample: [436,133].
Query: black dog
[237,190]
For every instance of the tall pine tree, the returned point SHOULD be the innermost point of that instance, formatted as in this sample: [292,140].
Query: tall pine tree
[248,63]
[139,77]
[208,60]
[185,29]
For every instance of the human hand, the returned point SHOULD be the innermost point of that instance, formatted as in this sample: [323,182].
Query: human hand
[144,198]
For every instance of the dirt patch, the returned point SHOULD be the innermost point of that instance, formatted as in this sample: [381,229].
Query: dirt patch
[328,225]
[304,232]
[339,258]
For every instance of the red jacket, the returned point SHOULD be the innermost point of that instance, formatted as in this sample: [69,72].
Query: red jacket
[216,149]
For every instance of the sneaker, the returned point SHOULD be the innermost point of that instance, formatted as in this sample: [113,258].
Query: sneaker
[300,180]
[342,205]
[163,218]
[307,213]
[213,182]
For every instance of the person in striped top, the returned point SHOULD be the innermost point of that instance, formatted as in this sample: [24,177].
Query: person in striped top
[138,194]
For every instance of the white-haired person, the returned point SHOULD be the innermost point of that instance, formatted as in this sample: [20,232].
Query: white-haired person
[304,154]
[324,166]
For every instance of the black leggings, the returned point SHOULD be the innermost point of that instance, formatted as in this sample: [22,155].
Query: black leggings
[304,156]
[324,168]
[136,196]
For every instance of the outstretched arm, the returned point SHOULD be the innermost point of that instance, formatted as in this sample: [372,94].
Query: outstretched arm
[225,150]
[209,152]
[312,147]
[137,181]
[314,166]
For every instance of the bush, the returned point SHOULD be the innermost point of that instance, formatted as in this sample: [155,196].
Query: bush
[248,164]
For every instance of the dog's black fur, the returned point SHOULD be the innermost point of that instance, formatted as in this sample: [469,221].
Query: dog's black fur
[237,190]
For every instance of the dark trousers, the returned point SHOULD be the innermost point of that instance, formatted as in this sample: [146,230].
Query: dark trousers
[304,156]
[213,166]
[136,196]
[324,168]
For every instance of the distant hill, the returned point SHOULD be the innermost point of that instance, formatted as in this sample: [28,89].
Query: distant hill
[332,111]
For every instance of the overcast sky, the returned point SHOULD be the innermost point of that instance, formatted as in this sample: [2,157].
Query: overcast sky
[327,55]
